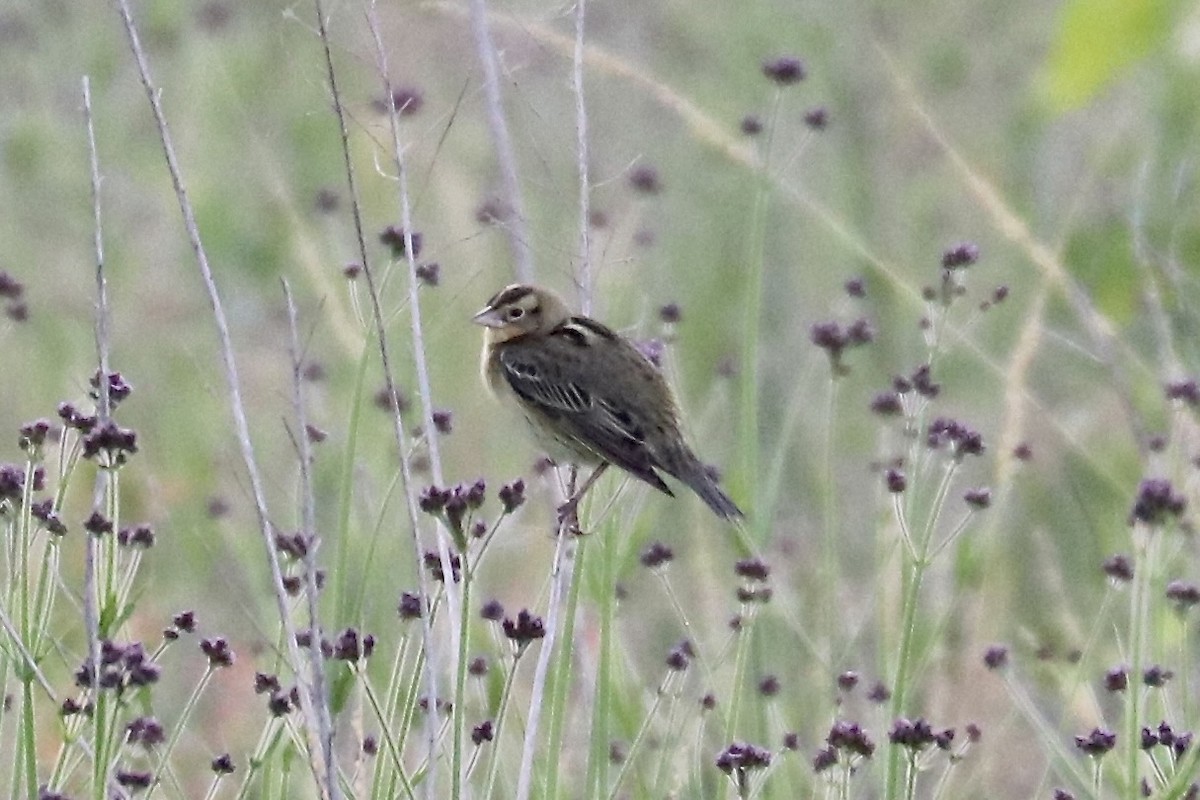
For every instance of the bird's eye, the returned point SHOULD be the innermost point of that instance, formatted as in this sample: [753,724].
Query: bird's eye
[516,312]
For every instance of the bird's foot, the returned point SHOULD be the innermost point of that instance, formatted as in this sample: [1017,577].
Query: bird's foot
[568,517]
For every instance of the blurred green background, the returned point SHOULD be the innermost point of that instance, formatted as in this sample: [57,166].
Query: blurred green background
[1058,136]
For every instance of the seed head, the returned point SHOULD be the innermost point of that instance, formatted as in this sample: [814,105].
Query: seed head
[1096,743]
[492,611]
[817,118]
[657,555]
[851,738]
[512,495]
[995,657]
[1119,568]
[978,498]
[784,70]
[1156,503]
[410,606]
[483,732]
[396,240]
[752,569]
[1116,679]
[218,651]
[1183,595]
[524,629]
[739,757]
[1186,391]
[960,255]
[644,179]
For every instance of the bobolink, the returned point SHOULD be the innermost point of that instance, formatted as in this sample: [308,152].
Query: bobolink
[590,397]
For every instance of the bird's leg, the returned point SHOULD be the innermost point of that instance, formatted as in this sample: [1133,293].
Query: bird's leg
[568,512]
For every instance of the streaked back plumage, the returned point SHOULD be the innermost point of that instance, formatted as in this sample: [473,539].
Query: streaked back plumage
[588,391]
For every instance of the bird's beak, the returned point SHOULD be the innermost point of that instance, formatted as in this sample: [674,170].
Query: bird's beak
[489,318]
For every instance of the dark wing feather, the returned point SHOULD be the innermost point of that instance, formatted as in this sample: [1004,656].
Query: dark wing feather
[550,378]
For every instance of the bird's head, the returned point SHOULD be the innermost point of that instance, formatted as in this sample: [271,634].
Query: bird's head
[519,310]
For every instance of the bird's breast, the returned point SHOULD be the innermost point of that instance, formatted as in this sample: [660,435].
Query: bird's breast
[492,371]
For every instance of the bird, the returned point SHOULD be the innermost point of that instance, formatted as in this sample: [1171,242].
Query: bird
[589,395]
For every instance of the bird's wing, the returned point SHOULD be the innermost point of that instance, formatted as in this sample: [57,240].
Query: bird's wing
[576,400]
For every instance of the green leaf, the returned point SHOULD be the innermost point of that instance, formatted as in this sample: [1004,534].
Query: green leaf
[113,616]
[342,682]
[1098,41]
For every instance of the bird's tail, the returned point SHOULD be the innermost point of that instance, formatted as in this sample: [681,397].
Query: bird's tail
[717,500]
[702,481]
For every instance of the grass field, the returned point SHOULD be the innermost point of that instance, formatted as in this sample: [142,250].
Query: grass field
[924,278]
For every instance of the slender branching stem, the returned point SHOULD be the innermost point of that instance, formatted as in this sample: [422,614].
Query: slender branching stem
[104,488]
[327,773]
[501,716]
[510,188]
[390,740]
[562,676]
[401,437]
[584,279]
[225,339]
[559,576]
[639,739]
[1145,541]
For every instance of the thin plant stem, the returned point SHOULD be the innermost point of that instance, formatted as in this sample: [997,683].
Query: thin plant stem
[510,187]
[829,541]
[687,624]
[389,713]
[671,739]
[935,511]
[457,605]
[28,748]
[1101,622]
[952,537]
[597,771]
[910,777]
[29,662]
[1159,774]
[1185,668]
[562,677]
[902,524]
[424,389]
[346,607]
[584,277]
[748,417]
[1185,771]
[638,739]
[558,576]
[741,659]
[458,766]
[177,731]
[228,359]
[267,740]
[785,436]
[1145,540]
[393,746]
[914,573]
[213,785]
[1067,762]
[316,661]
[91,614]
[501,716]
[25,637]
[939,789]
[401,438]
